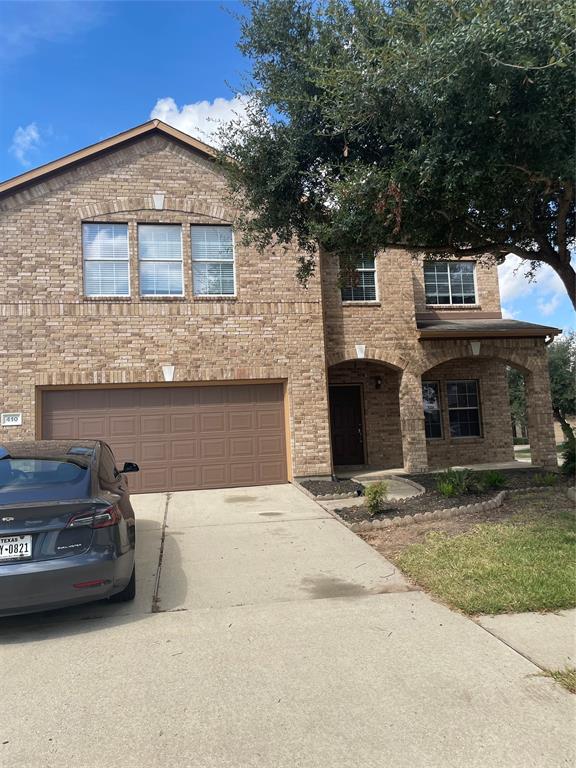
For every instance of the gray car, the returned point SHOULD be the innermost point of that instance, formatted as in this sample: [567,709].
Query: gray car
[67,527]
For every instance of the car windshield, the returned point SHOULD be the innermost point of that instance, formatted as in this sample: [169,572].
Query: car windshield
[51,479]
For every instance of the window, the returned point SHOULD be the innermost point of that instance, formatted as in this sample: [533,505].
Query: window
[160,254]
[432,412]
[463,408]
[448,282]
[105,250]
[213,261]
[362,285]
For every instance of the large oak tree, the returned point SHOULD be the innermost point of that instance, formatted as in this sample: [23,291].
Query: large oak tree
[446,126]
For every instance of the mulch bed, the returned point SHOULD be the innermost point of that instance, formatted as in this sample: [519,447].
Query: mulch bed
[332,487]
[432,500]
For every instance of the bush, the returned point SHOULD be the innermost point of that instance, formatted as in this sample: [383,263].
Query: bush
[457,482]
[568,452]
[376,494]
[546,478]
[492,479]
[520,441]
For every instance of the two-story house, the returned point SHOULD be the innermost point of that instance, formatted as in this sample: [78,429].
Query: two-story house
[132,311]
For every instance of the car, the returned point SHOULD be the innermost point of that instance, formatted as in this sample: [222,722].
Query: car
[67,527]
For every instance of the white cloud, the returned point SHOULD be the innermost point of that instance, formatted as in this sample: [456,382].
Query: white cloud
[201,119]
[27,25]
[25,141]
[548,308]
[515,285]
[511,314]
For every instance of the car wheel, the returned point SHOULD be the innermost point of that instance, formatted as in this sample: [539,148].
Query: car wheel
[129,591]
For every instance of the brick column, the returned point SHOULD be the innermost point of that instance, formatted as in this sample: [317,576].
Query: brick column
[412,422]
[539,412]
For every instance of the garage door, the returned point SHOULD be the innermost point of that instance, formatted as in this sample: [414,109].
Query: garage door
[183,438]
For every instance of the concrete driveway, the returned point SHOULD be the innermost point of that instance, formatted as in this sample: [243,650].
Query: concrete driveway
[267,635]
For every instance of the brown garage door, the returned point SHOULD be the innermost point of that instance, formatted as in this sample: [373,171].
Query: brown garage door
[183,438]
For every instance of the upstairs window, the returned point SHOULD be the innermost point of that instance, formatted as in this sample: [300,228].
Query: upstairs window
[105,253]
[361,285]
[213,261]
[432,412]
[463,408]
[160,258]
[450,282]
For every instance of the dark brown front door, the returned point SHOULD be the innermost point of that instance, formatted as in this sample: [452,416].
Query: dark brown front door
[346,425]
[183,438]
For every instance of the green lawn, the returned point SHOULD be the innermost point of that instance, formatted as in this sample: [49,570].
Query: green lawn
[525,563]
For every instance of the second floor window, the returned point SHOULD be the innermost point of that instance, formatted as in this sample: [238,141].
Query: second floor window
[361,285]
[212,261]
[105,253]
[449,282]
[160,259]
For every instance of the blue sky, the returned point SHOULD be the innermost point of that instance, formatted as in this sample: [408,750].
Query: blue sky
[73,73]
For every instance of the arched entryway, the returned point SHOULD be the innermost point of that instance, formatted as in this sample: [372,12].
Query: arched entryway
[365,413]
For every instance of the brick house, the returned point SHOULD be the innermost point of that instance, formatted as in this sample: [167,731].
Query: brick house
[129,311]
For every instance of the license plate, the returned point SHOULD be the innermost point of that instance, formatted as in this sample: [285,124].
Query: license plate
[15,547]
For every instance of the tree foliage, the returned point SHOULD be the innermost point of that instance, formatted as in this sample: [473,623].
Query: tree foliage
[562,367]
[444,126]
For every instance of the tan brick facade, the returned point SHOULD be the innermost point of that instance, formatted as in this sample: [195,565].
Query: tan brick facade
[51,335]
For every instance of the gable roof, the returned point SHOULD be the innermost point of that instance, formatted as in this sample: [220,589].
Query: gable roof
[152,126]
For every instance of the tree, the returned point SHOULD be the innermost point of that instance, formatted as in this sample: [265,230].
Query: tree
[517,395]
[562,367]
[442,126]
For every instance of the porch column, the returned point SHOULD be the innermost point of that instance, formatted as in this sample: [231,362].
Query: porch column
[412,422]
[540,418]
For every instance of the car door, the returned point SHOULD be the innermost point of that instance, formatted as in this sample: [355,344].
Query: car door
[113,481]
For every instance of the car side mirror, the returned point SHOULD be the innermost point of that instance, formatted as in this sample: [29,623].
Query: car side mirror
[129,466]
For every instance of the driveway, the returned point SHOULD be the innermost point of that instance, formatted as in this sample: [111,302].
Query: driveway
[267,635]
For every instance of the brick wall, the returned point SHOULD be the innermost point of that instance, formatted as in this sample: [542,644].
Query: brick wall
[52,335]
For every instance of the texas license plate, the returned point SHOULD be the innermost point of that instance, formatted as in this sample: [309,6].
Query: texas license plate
[15,547]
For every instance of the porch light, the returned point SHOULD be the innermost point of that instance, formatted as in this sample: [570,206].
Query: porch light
[168,372]
[475,347]
[377,382]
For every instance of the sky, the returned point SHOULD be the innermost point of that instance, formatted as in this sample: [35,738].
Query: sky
[73,73]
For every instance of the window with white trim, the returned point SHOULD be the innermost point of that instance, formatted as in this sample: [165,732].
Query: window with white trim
[361,285]
[212,261]
[160,260]
[105,255]
[450,282]
[432,412]
[463,408]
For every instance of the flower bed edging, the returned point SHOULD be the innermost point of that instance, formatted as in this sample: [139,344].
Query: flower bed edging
[327,496]
[421,517]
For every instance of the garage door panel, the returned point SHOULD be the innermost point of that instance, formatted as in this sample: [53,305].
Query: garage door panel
[214,421]
[183,438]
[154,424]
[184,422]
[244,473]
[242,447]
[240,421]
[269,420]
[184,449]
[90,428]
[154,450]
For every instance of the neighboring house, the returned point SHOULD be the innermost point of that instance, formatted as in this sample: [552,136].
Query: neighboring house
[132,311]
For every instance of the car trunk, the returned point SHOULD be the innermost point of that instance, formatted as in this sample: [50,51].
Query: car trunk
[38,531]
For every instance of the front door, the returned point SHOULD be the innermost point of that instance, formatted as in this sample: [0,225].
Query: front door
[346,425]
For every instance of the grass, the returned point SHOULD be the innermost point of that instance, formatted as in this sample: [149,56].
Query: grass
[566,677]
[527,563]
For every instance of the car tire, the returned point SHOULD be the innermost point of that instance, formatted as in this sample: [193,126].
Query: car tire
[129,591]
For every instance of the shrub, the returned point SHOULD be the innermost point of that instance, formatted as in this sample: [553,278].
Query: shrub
[569,458]
[546,478]
[492,479]
[520,441]
[376,494]
[457,482]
